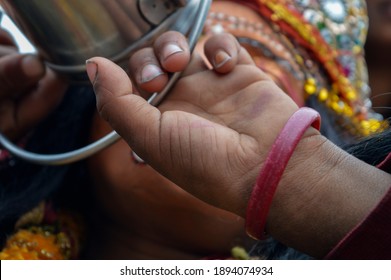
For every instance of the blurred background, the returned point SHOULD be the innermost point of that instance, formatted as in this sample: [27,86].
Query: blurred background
[23,44]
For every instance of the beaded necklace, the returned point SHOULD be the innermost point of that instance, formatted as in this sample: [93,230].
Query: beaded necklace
[326,33]
[312,22]
[294,29]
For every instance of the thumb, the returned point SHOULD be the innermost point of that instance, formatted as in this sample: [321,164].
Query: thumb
[128,114]
[27,70]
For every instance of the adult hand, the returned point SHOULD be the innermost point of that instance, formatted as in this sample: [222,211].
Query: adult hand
[213,131]
[28,91]
[214,128]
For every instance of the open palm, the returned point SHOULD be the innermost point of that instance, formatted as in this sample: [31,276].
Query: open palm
[213,129]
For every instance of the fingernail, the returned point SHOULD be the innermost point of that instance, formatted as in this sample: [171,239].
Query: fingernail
[221,58]
[171,49]
[32,66]
[150,72]
[92,70]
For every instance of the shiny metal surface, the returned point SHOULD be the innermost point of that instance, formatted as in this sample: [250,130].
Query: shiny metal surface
[67,32]
[70,39]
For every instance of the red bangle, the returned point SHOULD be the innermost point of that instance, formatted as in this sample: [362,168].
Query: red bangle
[275,164]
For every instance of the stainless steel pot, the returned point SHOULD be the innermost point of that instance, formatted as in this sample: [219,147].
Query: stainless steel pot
[67,32]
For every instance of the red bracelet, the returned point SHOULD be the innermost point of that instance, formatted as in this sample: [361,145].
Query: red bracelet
[275,164]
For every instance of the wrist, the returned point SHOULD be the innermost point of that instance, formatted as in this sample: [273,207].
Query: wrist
[298,186]
[274,167]
[324,194]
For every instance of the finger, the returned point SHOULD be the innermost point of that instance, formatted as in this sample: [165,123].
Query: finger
[19,73]
[41,101]
[7,50]
[197,64]
[173,51]
[146,71]
[129,114]
[224,52]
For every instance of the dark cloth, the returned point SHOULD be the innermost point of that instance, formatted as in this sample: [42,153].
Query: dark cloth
[370,239]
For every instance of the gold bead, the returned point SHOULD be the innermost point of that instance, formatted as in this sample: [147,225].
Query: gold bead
[323,95]
[347,111]
[364,127]
[351,95]
[374,125]
[365,124]
[357,49]
[310,88]
[336,107]
[311,81]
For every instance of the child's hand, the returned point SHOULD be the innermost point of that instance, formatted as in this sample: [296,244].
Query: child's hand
[213,129]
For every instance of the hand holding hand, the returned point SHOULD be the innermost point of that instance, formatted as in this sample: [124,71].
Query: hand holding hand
[212,133]
[214,128]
